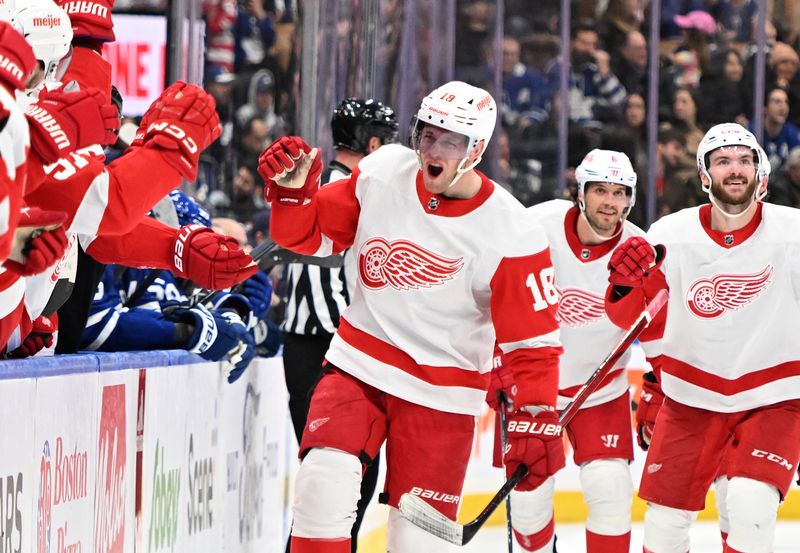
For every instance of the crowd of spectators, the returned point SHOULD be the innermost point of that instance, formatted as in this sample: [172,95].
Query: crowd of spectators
[706,76]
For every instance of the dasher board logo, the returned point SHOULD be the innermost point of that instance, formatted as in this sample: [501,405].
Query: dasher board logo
[578,307]
[709,298]
[403,265]
[63,479]
[109,524]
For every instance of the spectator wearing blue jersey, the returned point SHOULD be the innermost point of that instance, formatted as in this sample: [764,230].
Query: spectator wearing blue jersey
[525,90]
[779,135]
[125,317]
[595,93]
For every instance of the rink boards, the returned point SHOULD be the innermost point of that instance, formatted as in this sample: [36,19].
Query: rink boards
[101,452]
[104,451]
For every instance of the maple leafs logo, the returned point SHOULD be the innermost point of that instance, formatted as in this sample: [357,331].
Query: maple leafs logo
[578,307]
[709,298]
[403,265]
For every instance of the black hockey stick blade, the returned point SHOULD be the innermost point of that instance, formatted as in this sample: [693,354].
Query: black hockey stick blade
[282,255]
[423,515]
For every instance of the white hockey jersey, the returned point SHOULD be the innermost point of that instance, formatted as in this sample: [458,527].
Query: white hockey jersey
[582,278]
[14,145]
[730,337]
[439,280]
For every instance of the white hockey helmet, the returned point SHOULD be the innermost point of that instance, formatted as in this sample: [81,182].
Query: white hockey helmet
[48,30]
[732,134]
[606,166]
[461,108]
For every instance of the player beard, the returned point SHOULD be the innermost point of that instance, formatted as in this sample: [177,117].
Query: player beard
[599,225]
[724,197]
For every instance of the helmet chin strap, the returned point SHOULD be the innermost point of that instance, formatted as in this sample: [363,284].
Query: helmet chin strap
[461,170]
[727,215]
[733,216]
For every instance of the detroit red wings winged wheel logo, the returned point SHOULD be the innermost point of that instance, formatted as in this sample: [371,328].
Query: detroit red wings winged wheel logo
[709,298]
[403,265]
[578,307]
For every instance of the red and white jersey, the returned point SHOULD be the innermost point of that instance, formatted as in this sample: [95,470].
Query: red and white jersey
[582,278]
[439,280]
[730,337]
[14,145]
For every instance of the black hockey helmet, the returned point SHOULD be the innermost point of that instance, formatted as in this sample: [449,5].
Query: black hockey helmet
[356,120]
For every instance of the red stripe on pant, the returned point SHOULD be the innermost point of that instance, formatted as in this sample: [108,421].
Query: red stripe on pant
[599,543]
[318,545]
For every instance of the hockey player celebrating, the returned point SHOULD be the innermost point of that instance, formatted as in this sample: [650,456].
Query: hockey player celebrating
[582,238]
[447,263]
[730,386]
[317,296]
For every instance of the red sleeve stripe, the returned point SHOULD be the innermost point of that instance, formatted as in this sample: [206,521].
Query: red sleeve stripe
[725,386]
[391,355]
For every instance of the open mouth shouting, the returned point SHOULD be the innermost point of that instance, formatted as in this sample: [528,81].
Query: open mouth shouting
[434,169]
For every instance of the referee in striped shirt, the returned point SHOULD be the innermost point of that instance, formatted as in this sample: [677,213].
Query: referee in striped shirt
[316,296]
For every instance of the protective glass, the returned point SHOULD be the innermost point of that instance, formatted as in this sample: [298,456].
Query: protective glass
[436,142]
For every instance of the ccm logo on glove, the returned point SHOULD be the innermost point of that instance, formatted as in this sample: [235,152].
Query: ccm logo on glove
[540,428]
[177,132]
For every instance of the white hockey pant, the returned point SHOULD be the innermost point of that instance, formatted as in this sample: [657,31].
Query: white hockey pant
[327,490]
[753,512]
[608,490]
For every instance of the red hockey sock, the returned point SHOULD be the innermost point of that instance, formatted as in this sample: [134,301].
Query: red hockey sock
[599,543]
[534,542]
[315,545]
[724,537]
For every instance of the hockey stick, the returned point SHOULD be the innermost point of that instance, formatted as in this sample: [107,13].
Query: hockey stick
[423,515]
[504,442]
[282,255]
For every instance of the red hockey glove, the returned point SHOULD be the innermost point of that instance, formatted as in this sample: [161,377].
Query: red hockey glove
[650,402]
[534,441]
[291,171]
[183,119]
[633,260]
[501,382]
[90,19]
[18,57]
[209,259]
[39,241]
[40,337]
[62,122]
